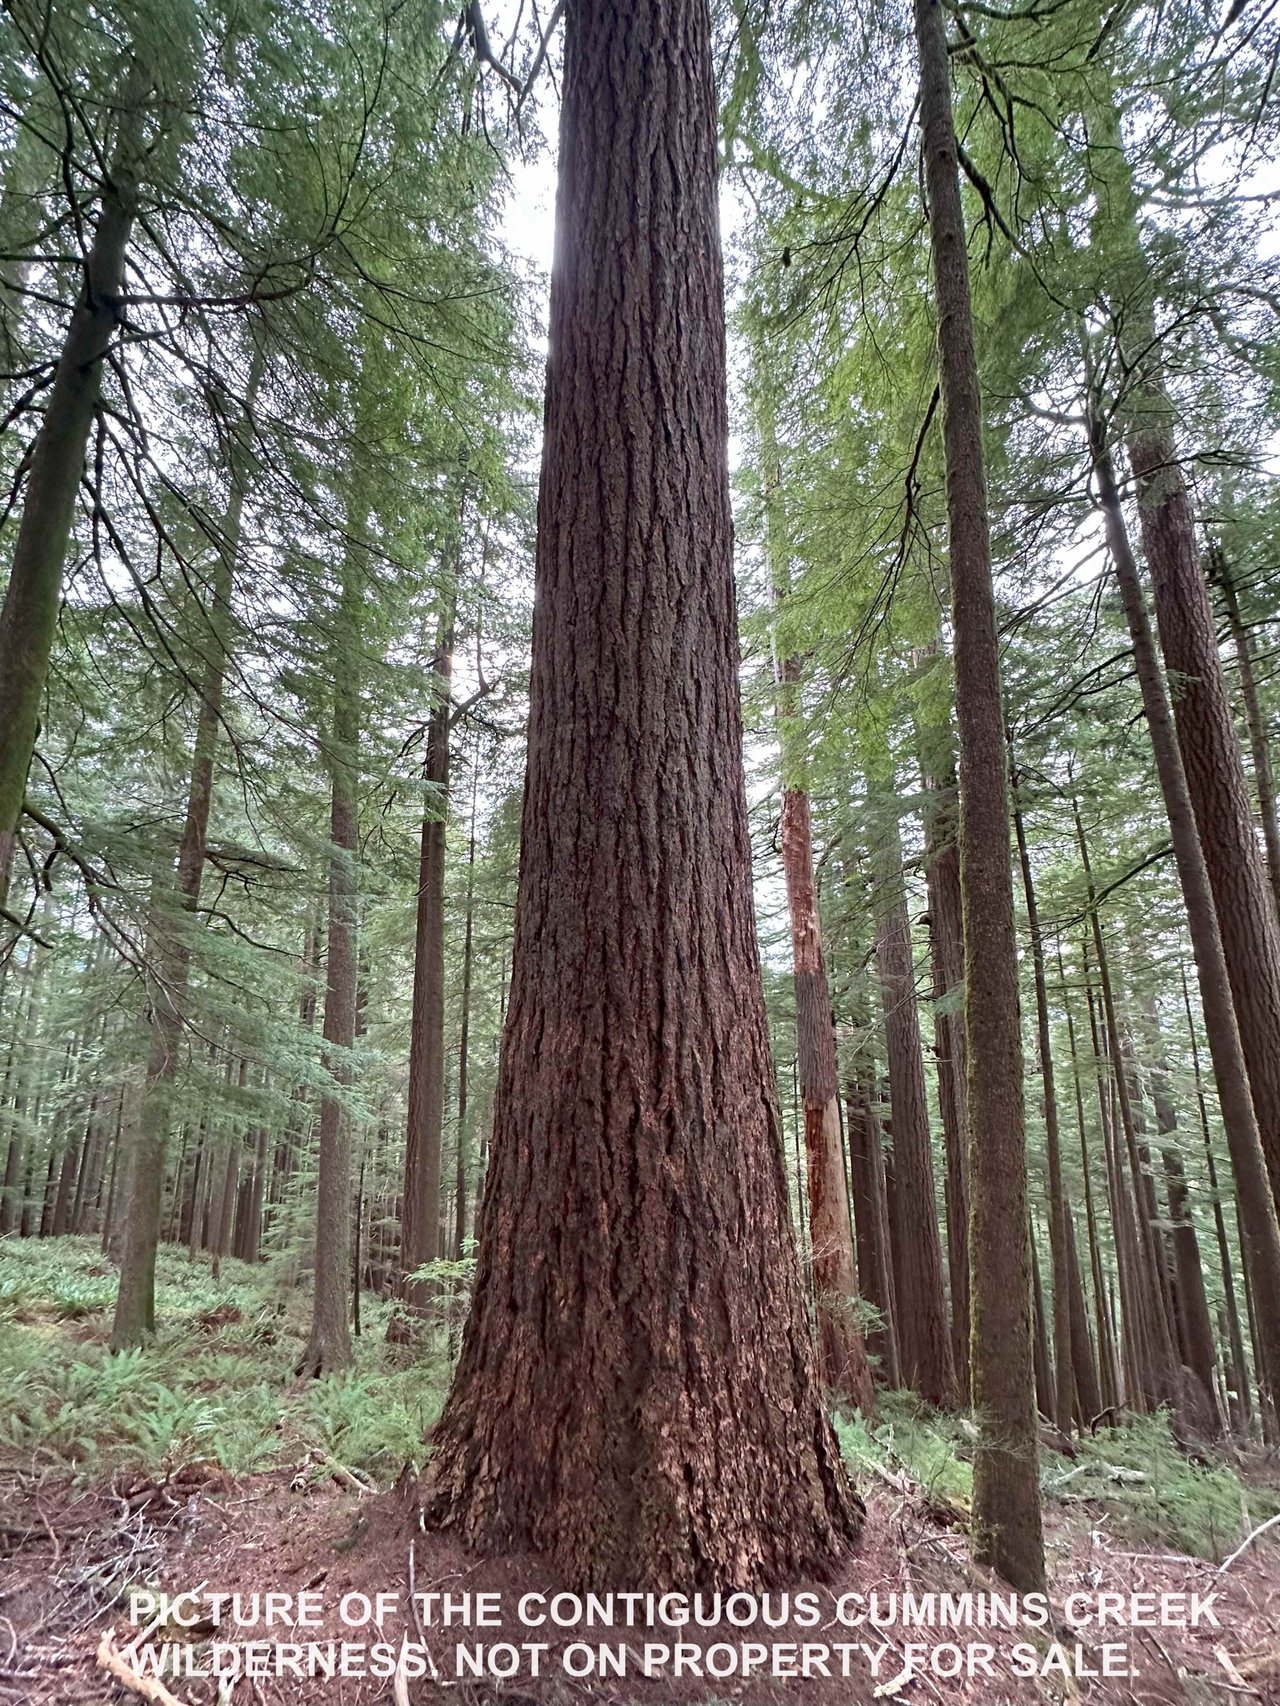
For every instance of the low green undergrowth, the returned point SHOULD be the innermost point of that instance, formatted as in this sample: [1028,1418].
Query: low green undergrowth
[216,1383]
[1156,1494]
[1149,1490]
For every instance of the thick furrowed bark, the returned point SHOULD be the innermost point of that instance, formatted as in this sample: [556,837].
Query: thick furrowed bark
[636,1395]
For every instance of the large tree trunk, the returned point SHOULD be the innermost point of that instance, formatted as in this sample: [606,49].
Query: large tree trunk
[30,614]
[329,1344]
[420,1231]
[1232,1066]
[636,1395]
[1006,1490]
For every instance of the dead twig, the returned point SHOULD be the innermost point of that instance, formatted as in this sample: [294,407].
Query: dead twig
[147,1687]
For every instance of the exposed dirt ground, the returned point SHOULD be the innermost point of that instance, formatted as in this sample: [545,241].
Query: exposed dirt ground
[68,1559]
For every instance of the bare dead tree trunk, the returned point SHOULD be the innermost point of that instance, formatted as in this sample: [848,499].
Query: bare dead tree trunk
[636,1395]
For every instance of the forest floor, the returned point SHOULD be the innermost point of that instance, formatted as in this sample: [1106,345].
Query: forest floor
[201,1465]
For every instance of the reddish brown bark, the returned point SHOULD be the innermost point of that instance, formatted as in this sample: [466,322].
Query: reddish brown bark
[1210,749]
[636,1394]
[842,1356]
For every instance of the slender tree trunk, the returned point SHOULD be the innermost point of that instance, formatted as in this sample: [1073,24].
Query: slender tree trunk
[1195,1324]
[871,1220]
[842,1357]
[464,1034]
[1235,1339]
[636,1394]
[329,1343]
[1162,1382]
[1232,1063]
[1107,1376]
[1142,1171]
[420,1234]
[1046,1394]
[257,1193]
[1006,1491]
[1090,1403]
[924,1344]
[59,1220]
[30,613]
[1059,1223]
[946,947]
[1259,746]
[135,1313]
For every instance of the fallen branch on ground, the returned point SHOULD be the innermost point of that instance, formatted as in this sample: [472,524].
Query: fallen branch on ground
[148,1687]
